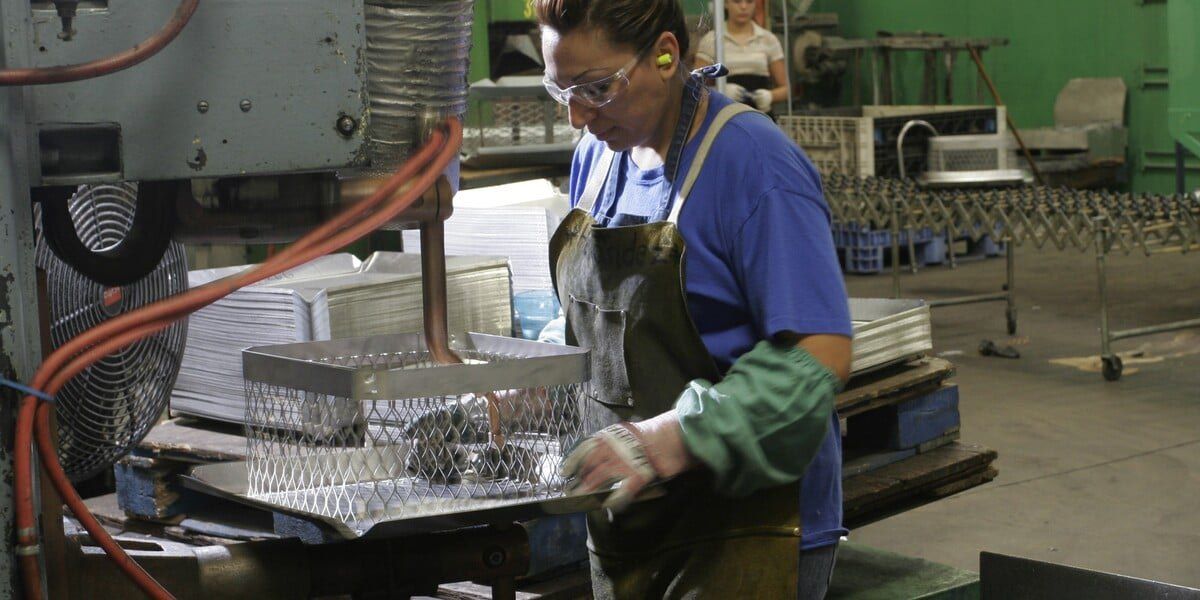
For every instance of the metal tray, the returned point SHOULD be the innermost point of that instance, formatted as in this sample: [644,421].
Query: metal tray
[332,367]
[885,332]
[957,179]
[230,481]
[888,331]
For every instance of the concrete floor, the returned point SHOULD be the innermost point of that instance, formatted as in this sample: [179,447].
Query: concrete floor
[1093,474]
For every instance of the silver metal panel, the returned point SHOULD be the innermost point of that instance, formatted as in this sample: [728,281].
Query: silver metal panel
[942,179]
[229,480]
[1002,577]
[316,366]
[1085,101]
[887,331]
[298,63]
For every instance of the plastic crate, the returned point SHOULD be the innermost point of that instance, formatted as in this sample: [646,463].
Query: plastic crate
[865,260]
[919,236]
[834,144]
[948,120]
[855,236]
[861,140]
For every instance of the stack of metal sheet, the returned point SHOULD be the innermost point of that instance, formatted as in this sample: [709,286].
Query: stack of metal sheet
[515,220]
[888,331]
[333,298]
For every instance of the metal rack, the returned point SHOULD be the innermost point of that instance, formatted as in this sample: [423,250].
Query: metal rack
[1101,222]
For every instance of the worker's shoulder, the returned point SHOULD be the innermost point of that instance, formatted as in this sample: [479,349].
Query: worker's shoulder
[755,142]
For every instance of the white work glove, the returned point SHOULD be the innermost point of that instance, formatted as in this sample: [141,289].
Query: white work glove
[735,92]
[629,455]
[614,457]
[555,332]
[763,100]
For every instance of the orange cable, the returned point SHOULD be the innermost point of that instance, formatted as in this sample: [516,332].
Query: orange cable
[109,64]
[125,330]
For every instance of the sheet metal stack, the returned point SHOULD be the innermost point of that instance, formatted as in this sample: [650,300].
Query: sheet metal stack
[334,297]
[514,220]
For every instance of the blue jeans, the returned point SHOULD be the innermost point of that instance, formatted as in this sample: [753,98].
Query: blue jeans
[816,570]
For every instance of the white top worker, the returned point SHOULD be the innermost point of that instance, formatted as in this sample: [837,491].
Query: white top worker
[753,55]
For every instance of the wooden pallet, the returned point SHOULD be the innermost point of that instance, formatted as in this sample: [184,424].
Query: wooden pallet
[918,480]
[892,385]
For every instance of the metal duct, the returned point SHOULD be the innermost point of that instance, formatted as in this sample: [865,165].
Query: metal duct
[417,59]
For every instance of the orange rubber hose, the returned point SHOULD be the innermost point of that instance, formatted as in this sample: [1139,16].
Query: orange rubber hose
[108,64]
[149,319]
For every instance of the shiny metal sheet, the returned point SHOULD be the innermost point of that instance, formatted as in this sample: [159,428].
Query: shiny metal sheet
[888,331]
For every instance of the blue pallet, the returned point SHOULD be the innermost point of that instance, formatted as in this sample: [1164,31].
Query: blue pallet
[932,252]
[926,418]
[849,235]
[919,236]
[866,251]
[862,260]
[906,425]
[985,247]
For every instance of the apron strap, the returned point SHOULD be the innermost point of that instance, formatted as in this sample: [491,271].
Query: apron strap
[719,121]
[595,182]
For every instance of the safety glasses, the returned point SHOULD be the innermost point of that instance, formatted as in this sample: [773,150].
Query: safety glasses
[594,94]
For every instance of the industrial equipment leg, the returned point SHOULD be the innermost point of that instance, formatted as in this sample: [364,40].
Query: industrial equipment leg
[1006,295]
[19,339]
[1010,286]
[895,235]
[1111,363]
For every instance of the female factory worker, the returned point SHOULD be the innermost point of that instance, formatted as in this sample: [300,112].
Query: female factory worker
[753,55]
[713,375]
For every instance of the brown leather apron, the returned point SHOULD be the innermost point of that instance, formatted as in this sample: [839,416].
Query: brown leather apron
[623,292]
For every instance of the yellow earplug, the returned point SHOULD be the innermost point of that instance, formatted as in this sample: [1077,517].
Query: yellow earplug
[664,59]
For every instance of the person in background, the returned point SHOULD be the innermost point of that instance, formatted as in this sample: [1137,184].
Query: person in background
[698,268]
[757,73]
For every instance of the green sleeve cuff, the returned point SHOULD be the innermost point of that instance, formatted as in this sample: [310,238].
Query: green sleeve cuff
[762,424]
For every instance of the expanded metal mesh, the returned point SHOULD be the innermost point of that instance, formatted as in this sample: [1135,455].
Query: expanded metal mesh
[1063,218]
[972,153]
[522,122]
[363,461]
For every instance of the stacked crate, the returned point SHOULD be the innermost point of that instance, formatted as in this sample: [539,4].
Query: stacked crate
[861,141]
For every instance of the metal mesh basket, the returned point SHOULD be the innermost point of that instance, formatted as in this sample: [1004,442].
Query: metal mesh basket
[522,122]
[516,123]
[368,430]
[992,152]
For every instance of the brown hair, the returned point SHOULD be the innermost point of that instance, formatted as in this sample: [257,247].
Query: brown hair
[635,23]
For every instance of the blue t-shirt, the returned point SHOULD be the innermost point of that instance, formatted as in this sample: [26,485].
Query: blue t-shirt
[760,260]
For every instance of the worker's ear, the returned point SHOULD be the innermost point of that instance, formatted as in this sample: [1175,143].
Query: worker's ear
[665,54]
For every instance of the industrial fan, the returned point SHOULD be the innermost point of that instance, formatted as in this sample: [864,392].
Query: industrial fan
[107,409]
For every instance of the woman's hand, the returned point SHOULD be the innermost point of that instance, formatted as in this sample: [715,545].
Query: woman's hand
[736,92]
[763,99]
[629,456]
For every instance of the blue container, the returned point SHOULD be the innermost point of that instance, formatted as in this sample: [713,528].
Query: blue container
[532,310]
[926,418]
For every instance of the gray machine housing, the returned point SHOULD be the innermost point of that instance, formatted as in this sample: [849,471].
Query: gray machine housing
[230,97]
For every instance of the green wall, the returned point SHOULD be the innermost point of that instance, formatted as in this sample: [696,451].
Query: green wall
[1049,43]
